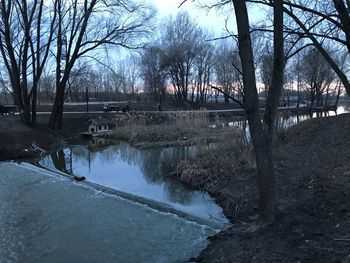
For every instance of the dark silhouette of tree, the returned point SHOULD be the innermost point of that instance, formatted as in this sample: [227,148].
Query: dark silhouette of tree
[227,76]
[324,24]
[152,72]
[84,26]
[262,131]
[26,35]
[181,45]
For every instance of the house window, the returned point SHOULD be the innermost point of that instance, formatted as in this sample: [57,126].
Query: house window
[99,128]
[105,127]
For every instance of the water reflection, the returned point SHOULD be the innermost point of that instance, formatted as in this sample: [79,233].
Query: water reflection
[287,119]
[59,161]
[141,172]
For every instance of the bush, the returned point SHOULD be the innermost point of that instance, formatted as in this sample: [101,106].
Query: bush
[164,127]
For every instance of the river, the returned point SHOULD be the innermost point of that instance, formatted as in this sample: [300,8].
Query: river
[129,209]
[139,174]
[287,119]
[45,217]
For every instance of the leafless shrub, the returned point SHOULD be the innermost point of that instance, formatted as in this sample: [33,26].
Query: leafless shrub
[173,127]
[226,170]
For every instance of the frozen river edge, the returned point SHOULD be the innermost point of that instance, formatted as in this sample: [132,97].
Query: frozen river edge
[46,217]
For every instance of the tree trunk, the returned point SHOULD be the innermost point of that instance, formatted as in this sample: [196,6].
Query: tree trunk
[312,97]
[344,17]
[338,95]
[34,100]
[260,137]
[56,117]
[226,99]
[26,115]
[262,133]
[267,181]
[266,175]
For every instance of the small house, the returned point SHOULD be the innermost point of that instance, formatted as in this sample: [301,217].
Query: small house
[99,125]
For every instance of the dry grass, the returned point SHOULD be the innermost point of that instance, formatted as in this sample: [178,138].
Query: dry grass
[223,165]
[170,129]
[225,158]
[226,171]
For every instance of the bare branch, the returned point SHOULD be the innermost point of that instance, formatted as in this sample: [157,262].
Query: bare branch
[229,96]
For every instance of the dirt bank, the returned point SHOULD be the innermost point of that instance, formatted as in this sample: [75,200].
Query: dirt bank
[313,224]
[21,142]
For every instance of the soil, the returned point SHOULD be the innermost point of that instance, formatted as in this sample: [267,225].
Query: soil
[313,222]
[313,173]
[20,142]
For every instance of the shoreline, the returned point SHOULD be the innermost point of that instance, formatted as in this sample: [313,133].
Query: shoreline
[313,222]
[313,179]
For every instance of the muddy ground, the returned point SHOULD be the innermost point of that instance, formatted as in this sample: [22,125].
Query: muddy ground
[313,168]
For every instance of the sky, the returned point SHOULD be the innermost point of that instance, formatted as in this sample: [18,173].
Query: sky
[214,20]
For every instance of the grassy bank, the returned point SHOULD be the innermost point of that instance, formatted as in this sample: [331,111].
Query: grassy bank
[226,171]
[312,170]
[174,129]
[223,166]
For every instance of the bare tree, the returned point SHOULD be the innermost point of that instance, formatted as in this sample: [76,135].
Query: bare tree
[318,75]
[203,71]
[46,87]
[227,69]
[128,70]
[321,22]
[262,131]
[266,70]
[152,72]
[25,39]
[342,8]
[181,44]
[84,26]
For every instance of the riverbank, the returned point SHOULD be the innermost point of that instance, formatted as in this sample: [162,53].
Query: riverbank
[20,142]
[313,178]
[313,222]
[313,172]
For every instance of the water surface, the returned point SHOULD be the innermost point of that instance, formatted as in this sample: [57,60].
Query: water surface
[49,218]
[145,173]
[287,119]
